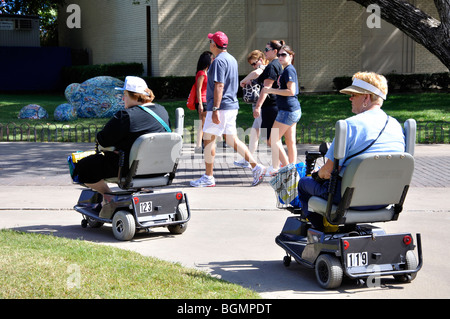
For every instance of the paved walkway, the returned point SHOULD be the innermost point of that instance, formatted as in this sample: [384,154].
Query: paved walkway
[233,226]
[40,164]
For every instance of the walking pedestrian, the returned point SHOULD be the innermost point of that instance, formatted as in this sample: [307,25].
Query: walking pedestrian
[258,62]
[222,109]
[289,112]
[201,80]
[266,107]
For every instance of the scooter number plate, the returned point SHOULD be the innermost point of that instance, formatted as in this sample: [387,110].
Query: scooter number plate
[357,259]
[145,207]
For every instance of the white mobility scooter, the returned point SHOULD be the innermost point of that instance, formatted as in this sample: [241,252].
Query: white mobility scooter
[137,205]
[357,249]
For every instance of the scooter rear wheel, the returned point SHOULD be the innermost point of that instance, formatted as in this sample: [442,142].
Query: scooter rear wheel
[411,263]
[329,271]
[179,228]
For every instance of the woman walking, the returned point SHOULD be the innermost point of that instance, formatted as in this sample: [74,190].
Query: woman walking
[201,79]
[267,105]
[289,111]
[258,61]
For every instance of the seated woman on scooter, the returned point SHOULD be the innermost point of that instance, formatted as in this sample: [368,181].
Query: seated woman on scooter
[121,132]
[370,124]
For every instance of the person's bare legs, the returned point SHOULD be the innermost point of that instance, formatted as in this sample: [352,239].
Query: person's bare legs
[209,152]
[254,139]
[201,123]
[100,187]
[291,143]
[241,148]
[276,145]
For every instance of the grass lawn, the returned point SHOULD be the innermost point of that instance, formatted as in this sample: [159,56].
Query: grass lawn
[318,111]
[44,266]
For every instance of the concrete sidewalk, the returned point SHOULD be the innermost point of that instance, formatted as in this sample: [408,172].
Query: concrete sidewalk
[233,227]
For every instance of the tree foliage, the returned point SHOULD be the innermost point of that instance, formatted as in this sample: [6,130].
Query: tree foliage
[432,33]
[45,9]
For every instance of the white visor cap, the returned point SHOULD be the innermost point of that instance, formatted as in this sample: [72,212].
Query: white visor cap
[362,87]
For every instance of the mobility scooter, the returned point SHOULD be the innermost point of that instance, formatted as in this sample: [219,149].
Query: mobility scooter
[354,248]
[136,206]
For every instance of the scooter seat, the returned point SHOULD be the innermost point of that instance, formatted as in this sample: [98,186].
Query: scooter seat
[378,180]
[371,179]
[319,205]
[153,158]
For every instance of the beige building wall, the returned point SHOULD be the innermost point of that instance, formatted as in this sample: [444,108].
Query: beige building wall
[116,31]
[330,42]
[183,28]
[112,31]
[330,37]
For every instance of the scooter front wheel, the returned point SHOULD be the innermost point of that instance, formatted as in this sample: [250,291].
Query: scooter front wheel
[123,225]
[91,222]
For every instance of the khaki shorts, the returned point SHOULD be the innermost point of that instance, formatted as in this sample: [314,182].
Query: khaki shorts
[227,123]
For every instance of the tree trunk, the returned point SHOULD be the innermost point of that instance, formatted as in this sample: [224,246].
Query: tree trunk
[433,34]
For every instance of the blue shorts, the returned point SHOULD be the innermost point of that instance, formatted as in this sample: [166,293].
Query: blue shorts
[288,118]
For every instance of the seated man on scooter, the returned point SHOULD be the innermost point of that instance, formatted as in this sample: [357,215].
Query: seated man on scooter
[139,117]
[370,130]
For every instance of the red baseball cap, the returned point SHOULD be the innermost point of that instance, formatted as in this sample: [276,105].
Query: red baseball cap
[219,38]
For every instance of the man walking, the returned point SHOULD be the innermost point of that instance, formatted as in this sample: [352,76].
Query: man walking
[222,109]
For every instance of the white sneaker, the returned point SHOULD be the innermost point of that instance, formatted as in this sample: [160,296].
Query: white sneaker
[258,174]
[271,172]
[242,163]
[204,181]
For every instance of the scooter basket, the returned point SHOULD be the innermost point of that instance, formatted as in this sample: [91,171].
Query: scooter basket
[285,185]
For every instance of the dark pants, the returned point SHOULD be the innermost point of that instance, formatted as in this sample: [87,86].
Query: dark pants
[308,187]
[94,168]
[268,116]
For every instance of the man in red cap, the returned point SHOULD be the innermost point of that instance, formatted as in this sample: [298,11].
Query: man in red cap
[220,39]
[222,109]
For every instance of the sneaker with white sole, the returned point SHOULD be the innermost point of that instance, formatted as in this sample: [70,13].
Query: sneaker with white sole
[242,163]
[259,172]
[204,181]
[270,172]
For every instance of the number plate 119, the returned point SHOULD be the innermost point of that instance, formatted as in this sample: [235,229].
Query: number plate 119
[357,259]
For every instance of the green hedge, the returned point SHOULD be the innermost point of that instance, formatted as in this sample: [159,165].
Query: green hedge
[406,82]
[170,87]
[175,87]
[81,73]
[163,87]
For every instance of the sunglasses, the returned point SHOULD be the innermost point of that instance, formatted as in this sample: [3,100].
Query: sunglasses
[282,55]
[268,49]
[254,64]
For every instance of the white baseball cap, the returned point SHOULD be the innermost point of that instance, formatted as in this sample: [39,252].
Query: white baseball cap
[134,84]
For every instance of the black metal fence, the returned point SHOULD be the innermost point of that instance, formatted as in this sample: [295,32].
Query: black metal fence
[25,132]
[313,133]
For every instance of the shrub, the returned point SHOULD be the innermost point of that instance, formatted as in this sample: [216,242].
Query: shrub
[406,82]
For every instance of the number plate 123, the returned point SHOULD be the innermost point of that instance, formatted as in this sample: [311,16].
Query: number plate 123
[146,207]
[357,259]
